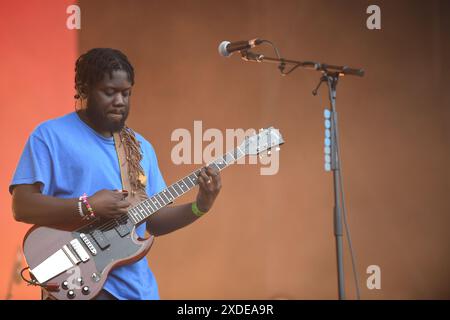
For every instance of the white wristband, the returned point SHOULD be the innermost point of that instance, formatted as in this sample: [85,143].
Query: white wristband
[80,209]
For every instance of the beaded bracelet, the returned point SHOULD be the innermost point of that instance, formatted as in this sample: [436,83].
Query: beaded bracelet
[88,206]
[196,210]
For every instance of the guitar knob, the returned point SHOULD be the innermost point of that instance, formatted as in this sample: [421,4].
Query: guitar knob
[95,277]
[80,281]
[65,285]
[86,290]
[71,294]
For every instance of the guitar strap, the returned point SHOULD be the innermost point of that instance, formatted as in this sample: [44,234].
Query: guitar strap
[134,195]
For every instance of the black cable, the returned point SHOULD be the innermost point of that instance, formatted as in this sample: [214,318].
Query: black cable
[347,231]
[31,282]
[282,64]
[277,52]
[292,69]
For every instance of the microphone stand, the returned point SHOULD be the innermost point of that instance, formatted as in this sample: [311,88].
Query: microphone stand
[332,80]
[325,68]
[330,75]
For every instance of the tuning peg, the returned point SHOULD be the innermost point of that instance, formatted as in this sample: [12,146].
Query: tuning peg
[277,148]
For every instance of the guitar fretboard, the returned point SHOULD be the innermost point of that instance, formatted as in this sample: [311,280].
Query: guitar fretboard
[146,208]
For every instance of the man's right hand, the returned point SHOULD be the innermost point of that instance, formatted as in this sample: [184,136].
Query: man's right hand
[109,203]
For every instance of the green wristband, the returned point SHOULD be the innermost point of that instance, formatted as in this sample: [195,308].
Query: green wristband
[196,210]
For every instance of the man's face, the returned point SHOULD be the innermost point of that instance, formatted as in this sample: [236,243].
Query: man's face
[108,102]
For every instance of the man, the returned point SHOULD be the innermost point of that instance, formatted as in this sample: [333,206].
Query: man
[75,154]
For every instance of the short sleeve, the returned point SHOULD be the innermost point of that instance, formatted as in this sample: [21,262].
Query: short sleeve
[34,165]
[155,180]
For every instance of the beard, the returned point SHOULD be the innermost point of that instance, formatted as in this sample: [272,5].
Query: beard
[101,120]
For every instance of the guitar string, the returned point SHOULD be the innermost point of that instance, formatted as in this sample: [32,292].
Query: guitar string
[125,217]
[115,222]
[112,223]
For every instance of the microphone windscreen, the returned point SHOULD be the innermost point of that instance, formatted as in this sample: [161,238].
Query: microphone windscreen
[223,49]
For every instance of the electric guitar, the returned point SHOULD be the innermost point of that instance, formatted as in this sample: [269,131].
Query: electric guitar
[74,264]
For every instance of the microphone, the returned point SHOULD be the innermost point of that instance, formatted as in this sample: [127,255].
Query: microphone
[226,48]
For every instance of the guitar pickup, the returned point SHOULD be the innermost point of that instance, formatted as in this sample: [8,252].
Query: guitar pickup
[100,238]
[79,250]
[122,230]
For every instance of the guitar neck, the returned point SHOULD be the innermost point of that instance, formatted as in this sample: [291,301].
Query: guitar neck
[146,208]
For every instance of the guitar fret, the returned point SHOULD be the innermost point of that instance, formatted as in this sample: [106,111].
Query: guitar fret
[140,212]
[186,187]
[229,155]
[146,205]
[133,215]
[133,218]
[216,166]
[168,195]
[239,149]
[178,191]
[183,186]
[173,192]
[158,198]
[156,203]
[222,164]
[191,181]
[163,196]
[188,182]
[148,214]
[150,203]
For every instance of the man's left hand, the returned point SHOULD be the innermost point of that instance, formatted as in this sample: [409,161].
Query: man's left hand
[210,185]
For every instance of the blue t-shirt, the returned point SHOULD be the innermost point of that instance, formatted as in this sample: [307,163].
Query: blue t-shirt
[70,158]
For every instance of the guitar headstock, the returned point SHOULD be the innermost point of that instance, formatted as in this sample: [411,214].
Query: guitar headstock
[261,142]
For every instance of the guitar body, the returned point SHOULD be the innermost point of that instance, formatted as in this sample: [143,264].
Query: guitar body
[107,245]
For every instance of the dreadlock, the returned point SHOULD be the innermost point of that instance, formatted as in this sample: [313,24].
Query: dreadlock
[90,68]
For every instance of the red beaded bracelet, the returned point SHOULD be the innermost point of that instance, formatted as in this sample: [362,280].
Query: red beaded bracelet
[88,206]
